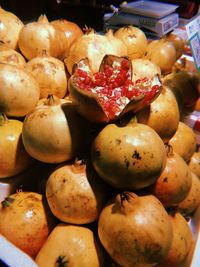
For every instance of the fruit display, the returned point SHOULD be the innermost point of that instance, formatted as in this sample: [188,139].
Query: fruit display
[99,168]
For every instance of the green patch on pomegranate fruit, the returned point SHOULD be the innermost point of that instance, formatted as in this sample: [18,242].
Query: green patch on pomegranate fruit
[110,93]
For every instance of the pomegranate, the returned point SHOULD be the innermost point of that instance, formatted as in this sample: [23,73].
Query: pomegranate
[53,132]
[92,46]
[117,44]
[194,163]
[174,183]
[192,200]
[134,39]
[143,68]
[110,93]
[50,74]
[19,91]
[10,56]
[188,83]
[129,157]
[71,29]
[135,231]
[175,90]
[162,53]
[39,36]
[26,221]
[70,246]
[162,115]
[10,27]
[178,43]
[181,243]
[13,157]
[186,134]
[74,193]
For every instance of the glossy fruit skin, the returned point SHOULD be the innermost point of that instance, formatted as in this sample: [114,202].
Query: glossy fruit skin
[162,53]
[187,82]
[138,232]
[129,157]
[13,157]
[37,37]
[72,30]
[181,243]
[10,56]
[19,91]
[192,200]
[50,74]
[54,133]
[194,163]
[174,183]
[75,193]
[134,39]
[162,115]
[11,26]
[75,244]
[184,134]
[26,221]
[177,42]
[143,68]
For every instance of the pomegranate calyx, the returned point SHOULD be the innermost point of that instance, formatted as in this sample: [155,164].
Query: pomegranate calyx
[52,100]
[88,30]
[79,166]
[3,119]
[7,202]
[43,19]
[169,150]
[127,202]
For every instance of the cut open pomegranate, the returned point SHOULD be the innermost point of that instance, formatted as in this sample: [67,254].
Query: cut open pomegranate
[110,93]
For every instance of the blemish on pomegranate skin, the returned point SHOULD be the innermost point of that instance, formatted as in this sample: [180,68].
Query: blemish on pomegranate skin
[132,36]
[136,155]
[42,115]
[165,180]
[118,141]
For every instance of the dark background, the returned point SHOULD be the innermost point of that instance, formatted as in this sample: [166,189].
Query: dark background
[83,12]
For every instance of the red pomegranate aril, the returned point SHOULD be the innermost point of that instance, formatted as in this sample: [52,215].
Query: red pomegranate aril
[88,81]
[128,83]
[150,94]
[105,91]
[124,75]
[124,90]
[110,87]
[82,73]
[119,81]
[125,65]
[108,70]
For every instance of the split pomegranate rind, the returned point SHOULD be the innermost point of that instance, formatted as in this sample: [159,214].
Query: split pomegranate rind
[110,93]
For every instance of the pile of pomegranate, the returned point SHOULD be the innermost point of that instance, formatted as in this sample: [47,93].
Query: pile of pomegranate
[99,167]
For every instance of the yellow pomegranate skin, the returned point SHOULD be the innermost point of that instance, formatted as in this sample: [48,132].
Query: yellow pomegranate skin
[138,232]
[13,157]
[26,221]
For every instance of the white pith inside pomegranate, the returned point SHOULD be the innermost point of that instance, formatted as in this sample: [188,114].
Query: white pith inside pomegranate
[112,86]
